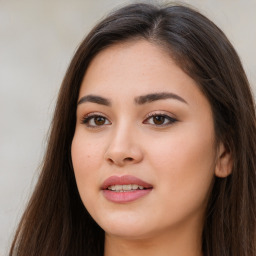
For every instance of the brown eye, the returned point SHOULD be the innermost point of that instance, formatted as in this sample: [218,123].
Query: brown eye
[160,120]
[95,121]
[99,120]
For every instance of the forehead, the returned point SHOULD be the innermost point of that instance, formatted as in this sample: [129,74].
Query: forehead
[135,68]
[129,59]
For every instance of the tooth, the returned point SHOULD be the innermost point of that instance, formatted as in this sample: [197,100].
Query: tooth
[123,188]
[119,187]
[134,186]
[127,187]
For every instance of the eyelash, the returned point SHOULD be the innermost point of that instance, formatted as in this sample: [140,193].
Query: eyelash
[91,117]
[167,119]
[86,119]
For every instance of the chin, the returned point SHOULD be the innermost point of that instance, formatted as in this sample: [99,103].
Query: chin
[125,226]
[128,233]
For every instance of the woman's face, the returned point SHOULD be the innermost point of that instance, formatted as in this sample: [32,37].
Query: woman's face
[144,149]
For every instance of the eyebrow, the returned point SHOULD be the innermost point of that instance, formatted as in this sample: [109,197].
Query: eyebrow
[158,96]
[140,100]
[95,99]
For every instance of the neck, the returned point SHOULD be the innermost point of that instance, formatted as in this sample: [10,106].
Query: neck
[164,244]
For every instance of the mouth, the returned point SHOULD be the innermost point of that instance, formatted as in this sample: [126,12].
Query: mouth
[123,189]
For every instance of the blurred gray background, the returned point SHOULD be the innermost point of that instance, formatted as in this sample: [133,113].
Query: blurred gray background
[37,41]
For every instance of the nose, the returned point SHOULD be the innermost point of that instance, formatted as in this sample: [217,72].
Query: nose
[124,148]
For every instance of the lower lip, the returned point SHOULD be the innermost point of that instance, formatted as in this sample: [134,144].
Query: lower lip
[125,197]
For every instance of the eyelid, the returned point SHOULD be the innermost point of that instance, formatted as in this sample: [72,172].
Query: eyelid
[90,116]
[168,116]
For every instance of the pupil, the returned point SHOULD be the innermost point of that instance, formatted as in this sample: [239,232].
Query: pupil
[99,120]
[158,119]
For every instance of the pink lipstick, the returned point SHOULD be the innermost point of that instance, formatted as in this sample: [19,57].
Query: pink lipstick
[124,189]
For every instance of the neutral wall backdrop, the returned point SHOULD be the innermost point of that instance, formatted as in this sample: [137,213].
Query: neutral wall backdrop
[37,41]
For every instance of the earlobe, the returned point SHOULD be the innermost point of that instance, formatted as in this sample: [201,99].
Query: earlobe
[224,162]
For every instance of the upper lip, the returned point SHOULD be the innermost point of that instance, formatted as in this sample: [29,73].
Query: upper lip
[124,180]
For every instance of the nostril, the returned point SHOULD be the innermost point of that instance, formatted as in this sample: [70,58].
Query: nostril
[129,159]
[110,161]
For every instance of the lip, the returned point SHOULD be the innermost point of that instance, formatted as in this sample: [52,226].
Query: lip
[125,197]
[124,180]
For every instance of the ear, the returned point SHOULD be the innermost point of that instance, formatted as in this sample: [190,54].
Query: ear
[224,162]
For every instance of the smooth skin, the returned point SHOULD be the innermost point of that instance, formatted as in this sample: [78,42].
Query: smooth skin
[174,150]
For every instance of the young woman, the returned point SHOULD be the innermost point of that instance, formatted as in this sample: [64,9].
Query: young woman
[153,144]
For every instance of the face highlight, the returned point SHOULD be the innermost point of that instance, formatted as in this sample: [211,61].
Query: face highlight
[143,152]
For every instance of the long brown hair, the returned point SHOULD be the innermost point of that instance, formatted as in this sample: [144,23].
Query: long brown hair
[56,221]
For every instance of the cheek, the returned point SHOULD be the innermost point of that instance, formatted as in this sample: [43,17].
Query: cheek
[85,154]
[182,150]
[185,167]
[86,159]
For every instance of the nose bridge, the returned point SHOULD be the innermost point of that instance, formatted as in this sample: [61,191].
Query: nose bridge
[123,147]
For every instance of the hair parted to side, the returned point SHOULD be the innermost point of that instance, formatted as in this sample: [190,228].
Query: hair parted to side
[56,221]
